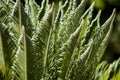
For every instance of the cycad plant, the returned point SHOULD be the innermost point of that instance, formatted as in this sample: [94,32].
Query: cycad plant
[51,41]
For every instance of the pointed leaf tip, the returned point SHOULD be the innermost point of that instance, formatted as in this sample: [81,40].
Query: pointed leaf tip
[110,20]
[113,15]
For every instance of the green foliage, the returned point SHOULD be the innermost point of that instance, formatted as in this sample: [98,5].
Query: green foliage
[106,71]
[51,42]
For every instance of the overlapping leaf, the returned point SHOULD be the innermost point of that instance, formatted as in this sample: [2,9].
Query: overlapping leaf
[51,42]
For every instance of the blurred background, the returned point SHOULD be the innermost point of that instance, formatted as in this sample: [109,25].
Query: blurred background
[113,50]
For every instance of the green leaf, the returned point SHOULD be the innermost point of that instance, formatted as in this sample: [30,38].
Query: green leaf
[44,6]
[8,50]
[106,39]
[19,16]
[53,42]
[34,10]
[66,52]
[41,38]
[108,71]
[5,5]
[78,69]
[68,26]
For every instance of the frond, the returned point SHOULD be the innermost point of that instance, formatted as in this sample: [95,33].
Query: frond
[41,38]
[106,71]
[18,14]
[52,41]
[8,48]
